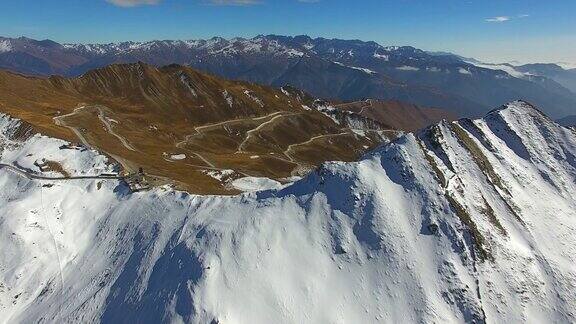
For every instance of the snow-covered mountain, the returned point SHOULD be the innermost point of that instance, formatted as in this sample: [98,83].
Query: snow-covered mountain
[468,221]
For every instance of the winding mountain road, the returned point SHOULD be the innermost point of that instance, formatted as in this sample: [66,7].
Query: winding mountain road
[290,147]
[250,133]
[111,131]
[200,130]
[59,120]
[231,121]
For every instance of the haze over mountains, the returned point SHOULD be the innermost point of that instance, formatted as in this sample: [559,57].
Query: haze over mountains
[326,68]
[566,77]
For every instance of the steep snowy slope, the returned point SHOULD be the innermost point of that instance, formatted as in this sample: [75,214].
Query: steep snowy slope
[469,221]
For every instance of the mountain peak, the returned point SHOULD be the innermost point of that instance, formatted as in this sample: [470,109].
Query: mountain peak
[519,107]
[470,222]
[138,67]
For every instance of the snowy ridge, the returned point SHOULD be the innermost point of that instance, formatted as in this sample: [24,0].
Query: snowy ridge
[213,46]
[275,45]
[464,221]
[22,147]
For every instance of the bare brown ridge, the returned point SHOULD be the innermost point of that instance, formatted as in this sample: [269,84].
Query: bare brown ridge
[184,127]
[397,114]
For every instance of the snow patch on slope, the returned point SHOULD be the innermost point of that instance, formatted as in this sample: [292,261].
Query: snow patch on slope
[228,97]
[367,71]
[408,68]
[249,184]
[29,153]
[254,98]
[384,57]
[5,46]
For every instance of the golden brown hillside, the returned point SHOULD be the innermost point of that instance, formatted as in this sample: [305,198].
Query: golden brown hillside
[181,126]
[396,114]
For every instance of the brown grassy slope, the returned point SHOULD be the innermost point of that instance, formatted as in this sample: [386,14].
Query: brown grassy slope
[172,93]
[35,101]
[398,115]
[142,116]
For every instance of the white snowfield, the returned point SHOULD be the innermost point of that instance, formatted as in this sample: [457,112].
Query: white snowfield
[29,154]
[473,221]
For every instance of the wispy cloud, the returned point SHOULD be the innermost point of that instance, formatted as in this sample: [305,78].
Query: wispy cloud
[136,3]
[501,19]
[246,2]
[233,2]
[498,19]
[133,3]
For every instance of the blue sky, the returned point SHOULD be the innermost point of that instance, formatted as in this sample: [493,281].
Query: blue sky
[492,30]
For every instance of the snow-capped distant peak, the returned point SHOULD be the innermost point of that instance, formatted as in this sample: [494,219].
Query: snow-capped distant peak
[391,48]
[308,46]
[5,46]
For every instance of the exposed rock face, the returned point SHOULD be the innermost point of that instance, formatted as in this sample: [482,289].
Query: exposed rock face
[467,221]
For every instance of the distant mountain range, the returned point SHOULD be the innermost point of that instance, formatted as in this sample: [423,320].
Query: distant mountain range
[330,68]
[566,77]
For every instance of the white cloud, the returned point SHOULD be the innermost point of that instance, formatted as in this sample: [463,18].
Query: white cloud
[498,19]
[234,2]
[133,3]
